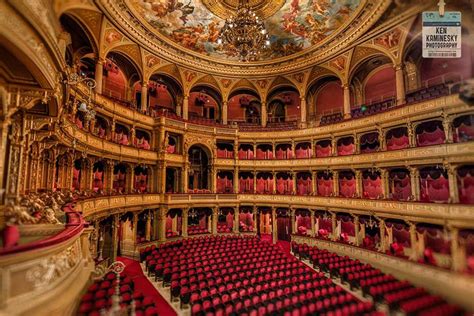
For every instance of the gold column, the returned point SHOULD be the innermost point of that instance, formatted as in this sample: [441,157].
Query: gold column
[115,240]
[235,184]
[333,146]
[163,178]
[415,182]
[254,181]
[274,226]
[453,183]
[384,175]
[263,114]
[448,131]
[411,135]
[314,178]
[184,222]
[347,101]
[413,241]
[214,178]
[334,226]
[99,75]
[313,231]
[303,110]
[274,182]
[400,84]
[148,226]
[383,247]
[184,177]
[293,175]
[131,177]
[214,220]
[185,106]
[356,230]
[359,187]
[458,262]
[383,144]
[236,220]
[224,112]
[335,179]
[144,96]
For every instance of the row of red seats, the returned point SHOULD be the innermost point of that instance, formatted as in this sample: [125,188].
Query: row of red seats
[383,288]
[225,275]
[98,297]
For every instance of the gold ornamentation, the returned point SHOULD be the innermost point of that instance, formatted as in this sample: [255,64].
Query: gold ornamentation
[53,268]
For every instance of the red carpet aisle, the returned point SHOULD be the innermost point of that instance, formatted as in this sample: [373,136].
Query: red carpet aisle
[284,245]
[143,285]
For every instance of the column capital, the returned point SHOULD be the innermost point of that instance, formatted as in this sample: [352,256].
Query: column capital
[398,66]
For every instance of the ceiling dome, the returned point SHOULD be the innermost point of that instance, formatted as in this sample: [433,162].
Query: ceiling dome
[293,26]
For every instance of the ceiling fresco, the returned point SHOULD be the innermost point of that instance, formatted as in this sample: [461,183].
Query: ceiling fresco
[297,25]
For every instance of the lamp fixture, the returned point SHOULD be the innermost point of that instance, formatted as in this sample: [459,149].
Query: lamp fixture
[86,107]
[245,32]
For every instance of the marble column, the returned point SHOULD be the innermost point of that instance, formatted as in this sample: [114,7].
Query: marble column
[224,112]
[185,107]
[415,182]
[347,101]
[235,180]
[400,84]
[144,97]
[303,110]
[99,75]
[263,113]
[335,179]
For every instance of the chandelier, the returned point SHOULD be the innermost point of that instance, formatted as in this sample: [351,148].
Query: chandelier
[246,32]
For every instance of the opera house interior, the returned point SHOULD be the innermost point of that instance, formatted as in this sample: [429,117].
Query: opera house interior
[236,157]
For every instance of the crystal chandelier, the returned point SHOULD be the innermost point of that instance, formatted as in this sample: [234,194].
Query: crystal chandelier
[246,32]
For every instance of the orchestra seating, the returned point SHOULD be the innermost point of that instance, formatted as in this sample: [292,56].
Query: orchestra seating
[98,296]
[245,276]
[383,288]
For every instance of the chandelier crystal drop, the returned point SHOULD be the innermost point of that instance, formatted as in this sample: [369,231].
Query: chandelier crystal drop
[245,32]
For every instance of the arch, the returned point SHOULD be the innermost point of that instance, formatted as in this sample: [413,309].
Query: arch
[79,32]
[205,101]
[243,84]
[171,71]
[207,81]
[199,173]
[280,82]
[325,84]
[164,92]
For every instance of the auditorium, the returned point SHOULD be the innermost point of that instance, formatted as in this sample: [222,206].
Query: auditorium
[236,157]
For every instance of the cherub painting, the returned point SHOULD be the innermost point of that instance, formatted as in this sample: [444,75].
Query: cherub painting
[296,26]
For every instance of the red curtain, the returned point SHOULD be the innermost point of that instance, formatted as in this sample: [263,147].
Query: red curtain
[434,186]
[324,186]
[347,185]
[372,186]
[429,136]
[345,146]
[323,151]
[465,180]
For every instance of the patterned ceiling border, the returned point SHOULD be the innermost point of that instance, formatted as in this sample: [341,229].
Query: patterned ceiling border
[119,12]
